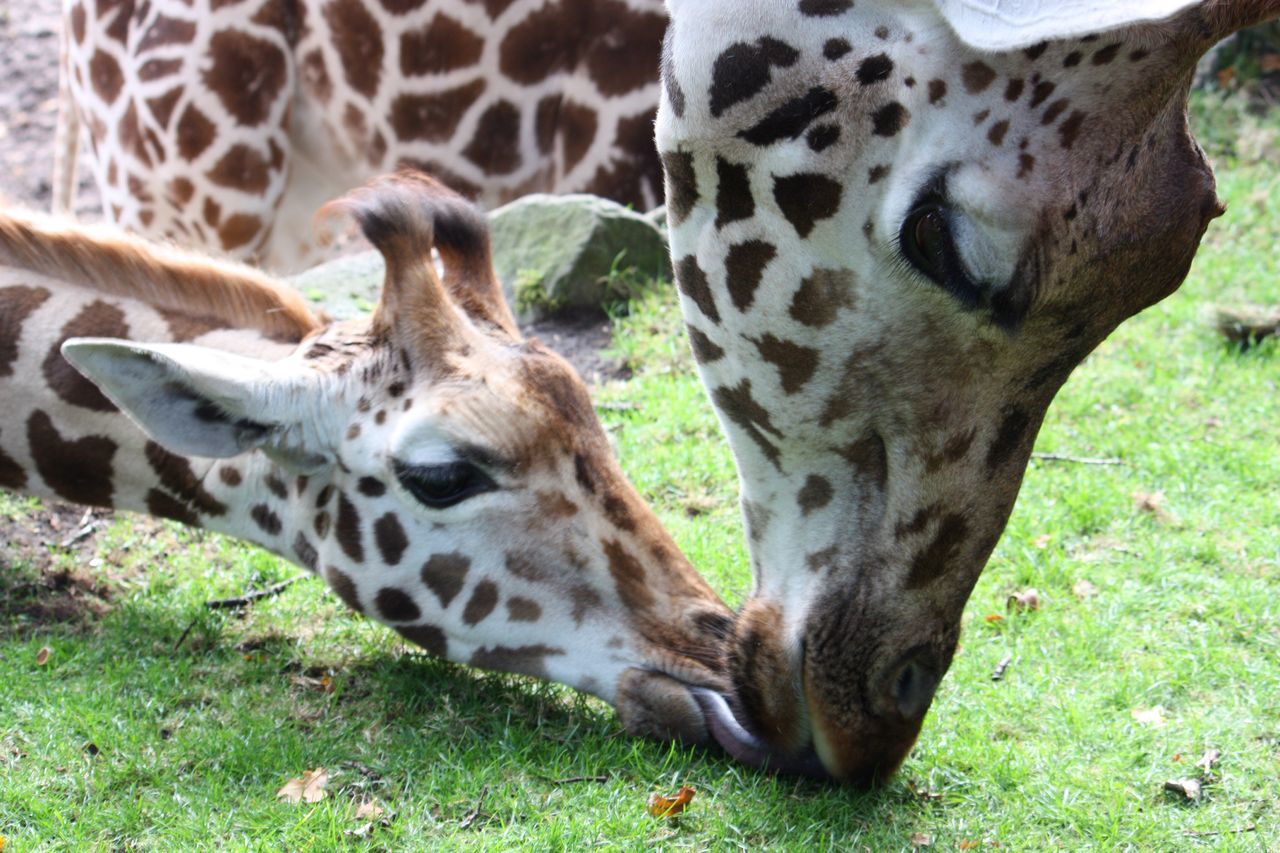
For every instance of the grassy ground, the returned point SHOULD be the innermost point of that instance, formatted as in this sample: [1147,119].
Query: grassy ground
[125,738]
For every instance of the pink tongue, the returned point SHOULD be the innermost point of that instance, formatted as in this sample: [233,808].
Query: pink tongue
[746,747]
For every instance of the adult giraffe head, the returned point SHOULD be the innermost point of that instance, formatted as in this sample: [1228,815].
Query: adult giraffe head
[444,475]
[897,227]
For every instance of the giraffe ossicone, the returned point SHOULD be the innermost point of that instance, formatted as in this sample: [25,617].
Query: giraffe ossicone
[892,247]
[443,474]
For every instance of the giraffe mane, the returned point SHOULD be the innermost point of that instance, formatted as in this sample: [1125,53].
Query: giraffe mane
[104,259]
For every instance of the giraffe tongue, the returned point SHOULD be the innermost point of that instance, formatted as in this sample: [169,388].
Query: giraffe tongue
[746,747]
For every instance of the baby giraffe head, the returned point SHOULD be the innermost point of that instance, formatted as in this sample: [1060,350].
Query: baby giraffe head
[445,475]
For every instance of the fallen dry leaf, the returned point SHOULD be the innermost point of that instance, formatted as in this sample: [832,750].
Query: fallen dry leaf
[1270,62]
[1042,541]
[1152,503]
[42,656]
[920,839]
[369,810]
[1001,668]
[1149,716]
[3,840]
[1189,788]
[1209,759]
[308,789]
[324,683]
[660,806]
[1083,589]
[1028,599]
[992,618]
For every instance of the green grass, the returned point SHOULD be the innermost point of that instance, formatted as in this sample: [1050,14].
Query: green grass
[120,741]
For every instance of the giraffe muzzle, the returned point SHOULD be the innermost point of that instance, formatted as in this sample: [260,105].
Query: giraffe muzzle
[743,746]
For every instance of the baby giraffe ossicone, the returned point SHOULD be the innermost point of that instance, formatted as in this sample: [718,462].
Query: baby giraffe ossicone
[443,474]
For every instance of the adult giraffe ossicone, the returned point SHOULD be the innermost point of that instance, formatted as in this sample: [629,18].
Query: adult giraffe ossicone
[444,475]
[893,246]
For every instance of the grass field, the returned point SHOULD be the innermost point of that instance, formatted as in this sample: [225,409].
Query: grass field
[1157,638]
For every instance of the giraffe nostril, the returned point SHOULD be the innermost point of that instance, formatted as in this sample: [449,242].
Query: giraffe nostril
[913,687]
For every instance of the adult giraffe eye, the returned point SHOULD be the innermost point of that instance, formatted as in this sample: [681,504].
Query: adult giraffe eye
[926,241]
[442,486]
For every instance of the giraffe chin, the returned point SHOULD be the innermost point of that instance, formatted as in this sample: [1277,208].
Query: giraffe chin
[750,750]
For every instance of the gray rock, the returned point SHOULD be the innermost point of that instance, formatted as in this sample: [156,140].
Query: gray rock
[344,288]
[557,253]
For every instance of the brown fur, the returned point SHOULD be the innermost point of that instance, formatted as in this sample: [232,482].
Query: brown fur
[166,278]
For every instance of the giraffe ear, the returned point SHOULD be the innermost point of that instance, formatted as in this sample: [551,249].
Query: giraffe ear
[197,401]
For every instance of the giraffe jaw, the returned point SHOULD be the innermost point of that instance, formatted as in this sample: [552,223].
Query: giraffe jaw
[749,749]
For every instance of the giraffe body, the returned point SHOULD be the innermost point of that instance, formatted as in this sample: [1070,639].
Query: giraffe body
[442,474]
[224,125]
[892,248]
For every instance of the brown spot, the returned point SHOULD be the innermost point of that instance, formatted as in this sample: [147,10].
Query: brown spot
[358,41]
[322,524]
[348,529]
[483,599]
[997,132]
[1070,129]
[1013,429]
[824,559]
[229,475]
[1106,54]
[869,459]
[11,474]
[344,587]
[629,578]
[1041,92]
[625,45]
[239,230]
[796,364]
[889,119]
[937,90]
[523,609]
[445,574]
[16,304]
[734,201]
[744,267]
[585,599]
[163,505]
[396,605]
[821,296]
[525,568]
[554,505]
[435,116]
[195,132]
[704,349]
[936,560]
[246,73]
[956,448]
[692,282]
[324,496]
[1034,52]
[243,169]
[97,319]
[371,487]
[164,31]
[305,551]
[1055,109]
[806,198]
[181,190]
[276,486]
[578,125]
[740,407]
[441,46]
[876,174]
[177,477]
[918,524]
[977,76]
[390,537]
[1026,164]
[1072,59]
[1014,89]
[617,511]
[266,519]
[525,660]
[824,8]
[78,470]
[429,637]
[104,73]
[815,494]
[542,43]
[682,184]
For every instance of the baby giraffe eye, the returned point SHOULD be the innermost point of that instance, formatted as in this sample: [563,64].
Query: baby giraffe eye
[926,241]
[442,486]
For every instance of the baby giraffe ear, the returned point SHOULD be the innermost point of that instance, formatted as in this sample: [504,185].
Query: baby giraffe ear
[197,401]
